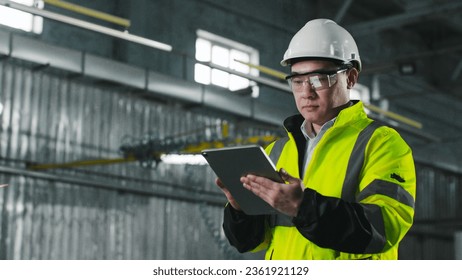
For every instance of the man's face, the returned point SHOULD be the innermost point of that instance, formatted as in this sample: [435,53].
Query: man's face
[319,105]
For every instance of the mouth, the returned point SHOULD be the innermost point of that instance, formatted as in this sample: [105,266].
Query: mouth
[310,107]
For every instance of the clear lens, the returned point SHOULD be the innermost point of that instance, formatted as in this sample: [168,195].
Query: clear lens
[316,81]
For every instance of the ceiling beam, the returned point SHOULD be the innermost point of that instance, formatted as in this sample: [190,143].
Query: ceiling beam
[385,66]
[342,11]
[410,16]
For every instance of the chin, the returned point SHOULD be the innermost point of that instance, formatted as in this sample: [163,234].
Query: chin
[309,114]
[309,118]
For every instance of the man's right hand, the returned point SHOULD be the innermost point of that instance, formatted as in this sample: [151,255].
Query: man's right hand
[230,198]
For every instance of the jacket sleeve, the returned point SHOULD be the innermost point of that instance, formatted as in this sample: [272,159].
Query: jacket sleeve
[244,232]
[382,209]
[333,223]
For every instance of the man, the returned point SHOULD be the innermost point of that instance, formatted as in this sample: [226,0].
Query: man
[350,182]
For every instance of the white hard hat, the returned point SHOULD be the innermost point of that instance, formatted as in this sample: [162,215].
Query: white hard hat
[324,39]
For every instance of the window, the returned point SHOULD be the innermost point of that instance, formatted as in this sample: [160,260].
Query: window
[21,20]
[225,53]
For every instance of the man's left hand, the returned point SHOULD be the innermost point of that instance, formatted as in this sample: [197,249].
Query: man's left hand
[286,198]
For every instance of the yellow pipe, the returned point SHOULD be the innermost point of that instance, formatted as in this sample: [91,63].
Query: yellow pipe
[188,149]
[266,70]
[394,116]
[81,163]
[89,12]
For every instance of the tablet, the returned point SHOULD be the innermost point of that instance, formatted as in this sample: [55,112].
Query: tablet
[231,163]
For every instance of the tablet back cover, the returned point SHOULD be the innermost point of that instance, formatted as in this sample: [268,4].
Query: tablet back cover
[231,163]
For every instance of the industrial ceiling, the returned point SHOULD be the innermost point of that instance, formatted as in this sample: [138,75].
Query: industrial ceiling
[412,63]
[412,56]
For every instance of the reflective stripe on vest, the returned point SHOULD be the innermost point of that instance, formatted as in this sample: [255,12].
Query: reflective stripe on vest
[374,212]
[377,186]
[279,219]
[350,184]
[356,161]
[277,149]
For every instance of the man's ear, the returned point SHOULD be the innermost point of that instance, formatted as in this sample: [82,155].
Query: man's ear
[352,77]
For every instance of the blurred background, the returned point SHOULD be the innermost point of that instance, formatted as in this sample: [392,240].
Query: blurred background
[105,105]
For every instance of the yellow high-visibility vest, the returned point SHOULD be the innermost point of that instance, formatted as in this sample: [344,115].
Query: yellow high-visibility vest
[360,162]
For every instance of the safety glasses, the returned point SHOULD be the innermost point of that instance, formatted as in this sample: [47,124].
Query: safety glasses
[317,80]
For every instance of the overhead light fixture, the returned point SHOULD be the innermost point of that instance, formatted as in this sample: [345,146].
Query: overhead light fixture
[89,26]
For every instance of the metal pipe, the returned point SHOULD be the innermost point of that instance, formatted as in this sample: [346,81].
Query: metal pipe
[176,193]
[264,69]
[91,162]
[343,9]
[89,12]
[263,81]
[394,116]
[89,26]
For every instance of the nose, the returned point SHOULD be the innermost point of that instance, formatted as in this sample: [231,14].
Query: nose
[309,92]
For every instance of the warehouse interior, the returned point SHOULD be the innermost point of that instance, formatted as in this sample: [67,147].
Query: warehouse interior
[105,106]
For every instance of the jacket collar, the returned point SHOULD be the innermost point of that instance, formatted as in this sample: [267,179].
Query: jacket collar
[351,114]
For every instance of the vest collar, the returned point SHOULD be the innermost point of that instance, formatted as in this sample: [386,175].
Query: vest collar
[350,114]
